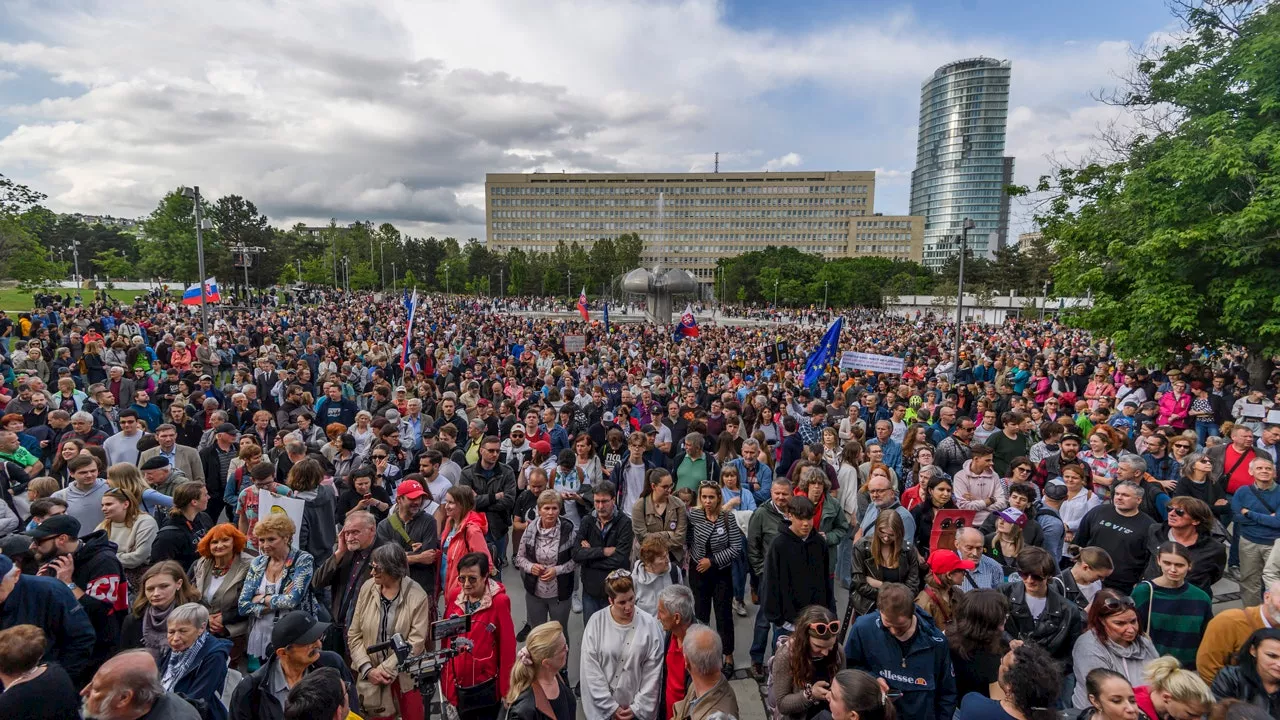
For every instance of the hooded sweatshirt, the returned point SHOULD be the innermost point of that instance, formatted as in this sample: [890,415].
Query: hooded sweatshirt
[795,576]
[648,585]
[99,574]
[84,505]
[982,487]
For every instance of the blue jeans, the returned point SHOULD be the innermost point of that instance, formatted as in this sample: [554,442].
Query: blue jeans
[844,562]
[740,570]
[1205,429]
[591,606]
[760,636]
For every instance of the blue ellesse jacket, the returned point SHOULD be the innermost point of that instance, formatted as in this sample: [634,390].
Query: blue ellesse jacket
[923,676]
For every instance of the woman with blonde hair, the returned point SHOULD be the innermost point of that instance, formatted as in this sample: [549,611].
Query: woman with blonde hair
[278,581]
[1172,692]
[128,478]
[538,689]
[132,531]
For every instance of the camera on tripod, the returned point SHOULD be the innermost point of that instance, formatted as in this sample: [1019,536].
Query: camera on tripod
[425,667]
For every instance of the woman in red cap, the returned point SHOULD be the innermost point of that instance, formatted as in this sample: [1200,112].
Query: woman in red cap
[941,589]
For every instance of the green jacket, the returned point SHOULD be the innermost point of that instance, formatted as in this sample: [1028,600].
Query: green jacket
[835,526]
[766,523]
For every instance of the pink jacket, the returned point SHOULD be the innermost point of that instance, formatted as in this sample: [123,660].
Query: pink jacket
[1170,405]
[980,487]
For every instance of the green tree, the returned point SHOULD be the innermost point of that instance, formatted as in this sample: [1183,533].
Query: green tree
[1176,238]
[112,264]
[169,247]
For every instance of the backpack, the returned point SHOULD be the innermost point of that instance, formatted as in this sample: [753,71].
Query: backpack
[770,697]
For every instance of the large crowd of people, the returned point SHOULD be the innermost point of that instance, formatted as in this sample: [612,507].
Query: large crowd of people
[239,522]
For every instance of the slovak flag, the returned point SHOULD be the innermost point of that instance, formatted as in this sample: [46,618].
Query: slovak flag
[688,326]
[192,294]
[582,305]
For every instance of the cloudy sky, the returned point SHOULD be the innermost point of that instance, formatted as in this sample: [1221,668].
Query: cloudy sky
[393,110]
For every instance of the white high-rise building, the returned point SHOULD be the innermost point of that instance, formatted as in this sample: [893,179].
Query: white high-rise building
[961,169]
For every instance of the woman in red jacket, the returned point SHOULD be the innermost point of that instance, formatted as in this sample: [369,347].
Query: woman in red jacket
[463,532]
[475,681]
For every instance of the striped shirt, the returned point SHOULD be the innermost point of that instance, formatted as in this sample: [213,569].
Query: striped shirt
[1178,618]
[723,538]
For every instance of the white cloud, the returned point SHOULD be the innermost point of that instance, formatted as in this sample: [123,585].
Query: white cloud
[790,160]
[395,109]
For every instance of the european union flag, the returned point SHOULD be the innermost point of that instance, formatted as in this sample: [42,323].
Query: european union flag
[823,354]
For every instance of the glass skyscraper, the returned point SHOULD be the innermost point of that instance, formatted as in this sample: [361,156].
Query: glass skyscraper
[961,170]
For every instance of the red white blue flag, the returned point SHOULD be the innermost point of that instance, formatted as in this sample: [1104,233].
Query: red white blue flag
[582,305]
[688,325]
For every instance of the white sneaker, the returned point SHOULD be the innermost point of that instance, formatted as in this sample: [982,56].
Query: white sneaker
[576,603]
[739,608]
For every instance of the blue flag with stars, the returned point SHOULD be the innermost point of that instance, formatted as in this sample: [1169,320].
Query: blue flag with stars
[823,354]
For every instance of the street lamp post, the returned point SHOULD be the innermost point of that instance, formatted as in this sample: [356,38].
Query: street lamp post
[826,286]
[964,249]
[446,281]
[194,194]
[1044,300]
[75,255]
[393,277]
[775,293]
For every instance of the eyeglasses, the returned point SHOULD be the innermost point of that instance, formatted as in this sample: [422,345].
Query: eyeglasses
[824,629]
[375,568]
[1182,446]
[618,575]
[709,484]
[468,579]
[517,435]
[1022,469]
[379,457]
[1033,577]
[1178,511]
[1116,604]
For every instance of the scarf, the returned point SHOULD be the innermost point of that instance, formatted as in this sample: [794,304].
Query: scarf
[155,630]
[180,662]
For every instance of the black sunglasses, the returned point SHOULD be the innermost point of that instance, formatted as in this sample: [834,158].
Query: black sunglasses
[1178,511]
[1116,604]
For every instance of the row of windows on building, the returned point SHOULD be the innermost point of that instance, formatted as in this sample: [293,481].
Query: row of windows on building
[903,250]
[678,203]
[560,188]
[551,239]
[672,227]
[894,237]
[882,223]
[668,216]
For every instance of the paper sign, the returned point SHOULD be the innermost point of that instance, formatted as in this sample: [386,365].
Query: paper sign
[1253,411]
[575,343]
[945,525]
[851,360]
[1273,417]
[269,502]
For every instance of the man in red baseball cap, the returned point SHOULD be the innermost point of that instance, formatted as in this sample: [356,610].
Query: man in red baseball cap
[413,527]
[941,591]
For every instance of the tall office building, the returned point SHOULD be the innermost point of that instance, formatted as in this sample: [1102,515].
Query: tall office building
[691,220]
[961,170]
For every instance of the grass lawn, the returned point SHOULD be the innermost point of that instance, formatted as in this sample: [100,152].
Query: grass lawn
[14,300]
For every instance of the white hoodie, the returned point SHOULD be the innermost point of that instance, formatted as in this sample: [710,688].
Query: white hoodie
[648,587]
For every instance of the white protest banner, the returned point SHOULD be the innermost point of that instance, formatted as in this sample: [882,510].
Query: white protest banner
[851,360]
[575,343]
[269,502]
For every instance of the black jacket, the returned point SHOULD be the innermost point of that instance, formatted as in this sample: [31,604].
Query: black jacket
[1208,557]
[497,511]
[1032,533]
[864,565]
[48,604]
[526,705]
[213,477]
[252,699]
[1055,630]
[1066,584]
[595,566]
[177,539]
[99,575]
[795,576]
[336,576]
[564,552]
[1242,682]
